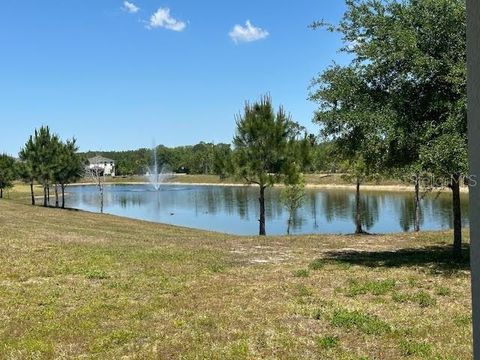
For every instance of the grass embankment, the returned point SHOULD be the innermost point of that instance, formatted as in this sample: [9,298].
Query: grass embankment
[310,180]
[76,284]
[316,181]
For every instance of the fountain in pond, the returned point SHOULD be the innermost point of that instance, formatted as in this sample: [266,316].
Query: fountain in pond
[156,173]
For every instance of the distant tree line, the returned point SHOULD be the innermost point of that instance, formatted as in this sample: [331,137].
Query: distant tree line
[204,158]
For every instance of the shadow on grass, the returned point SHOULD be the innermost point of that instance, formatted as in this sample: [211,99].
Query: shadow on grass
[60,208]
[40,205]
[434,258]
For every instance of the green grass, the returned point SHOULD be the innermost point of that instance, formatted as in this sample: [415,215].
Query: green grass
[374,287]
[300,273]
[443,291]
[363,322]
[421,298]
[328,342]
[96,274]
[317,264]
[414,348]
[82,285]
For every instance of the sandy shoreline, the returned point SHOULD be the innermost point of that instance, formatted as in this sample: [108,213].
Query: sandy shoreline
[348,187]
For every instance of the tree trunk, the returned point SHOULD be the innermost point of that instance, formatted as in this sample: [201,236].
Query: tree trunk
[457,216]
[358,211]
[1,193]
[56,195]
[32,193]
[45,195]
[48,194]
[261,200]
[101,199]
[63,196]
[417,203]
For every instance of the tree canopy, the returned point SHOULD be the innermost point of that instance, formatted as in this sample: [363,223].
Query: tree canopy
[408,67]
[49,161]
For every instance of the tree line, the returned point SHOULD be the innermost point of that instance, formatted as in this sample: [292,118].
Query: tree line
[203,158]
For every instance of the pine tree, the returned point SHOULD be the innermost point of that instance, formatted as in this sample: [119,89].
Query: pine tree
[262,148]
[7,172]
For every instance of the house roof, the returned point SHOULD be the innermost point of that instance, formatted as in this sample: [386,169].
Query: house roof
[99,160]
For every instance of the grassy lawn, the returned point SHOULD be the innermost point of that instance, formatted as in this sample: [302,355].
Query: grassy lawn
[81,285]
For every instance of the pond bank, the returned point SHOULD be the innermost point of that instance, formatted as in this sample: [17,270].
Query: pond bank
[349,187]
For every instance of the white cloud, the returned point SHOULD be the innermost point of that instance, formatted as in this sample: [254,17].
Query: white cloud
[247,33]
[130,7]
[162,18]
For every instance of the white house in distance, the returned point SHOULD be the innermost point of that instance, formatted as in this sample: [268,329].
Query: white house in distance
[103,163]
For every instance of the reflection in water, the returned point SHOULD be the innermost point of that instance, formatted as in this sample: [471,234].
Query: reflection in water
[312,197]
[406,211]
[369,211]
[340,206]
[235,209]
[336,204]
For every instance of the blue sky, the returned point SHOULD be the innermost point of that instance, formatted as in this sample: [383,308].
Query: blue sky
[174,71]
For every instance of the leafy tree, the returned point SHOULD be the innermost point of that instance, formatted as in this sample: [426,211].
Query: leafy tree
[301,146]
[203,158]
[323,157]
[261,154]
[7,172]
[351,122]
[411,55]
[449,162]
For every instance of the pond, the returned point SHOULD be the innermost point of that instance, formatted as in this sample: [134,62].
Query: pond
[234,209]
